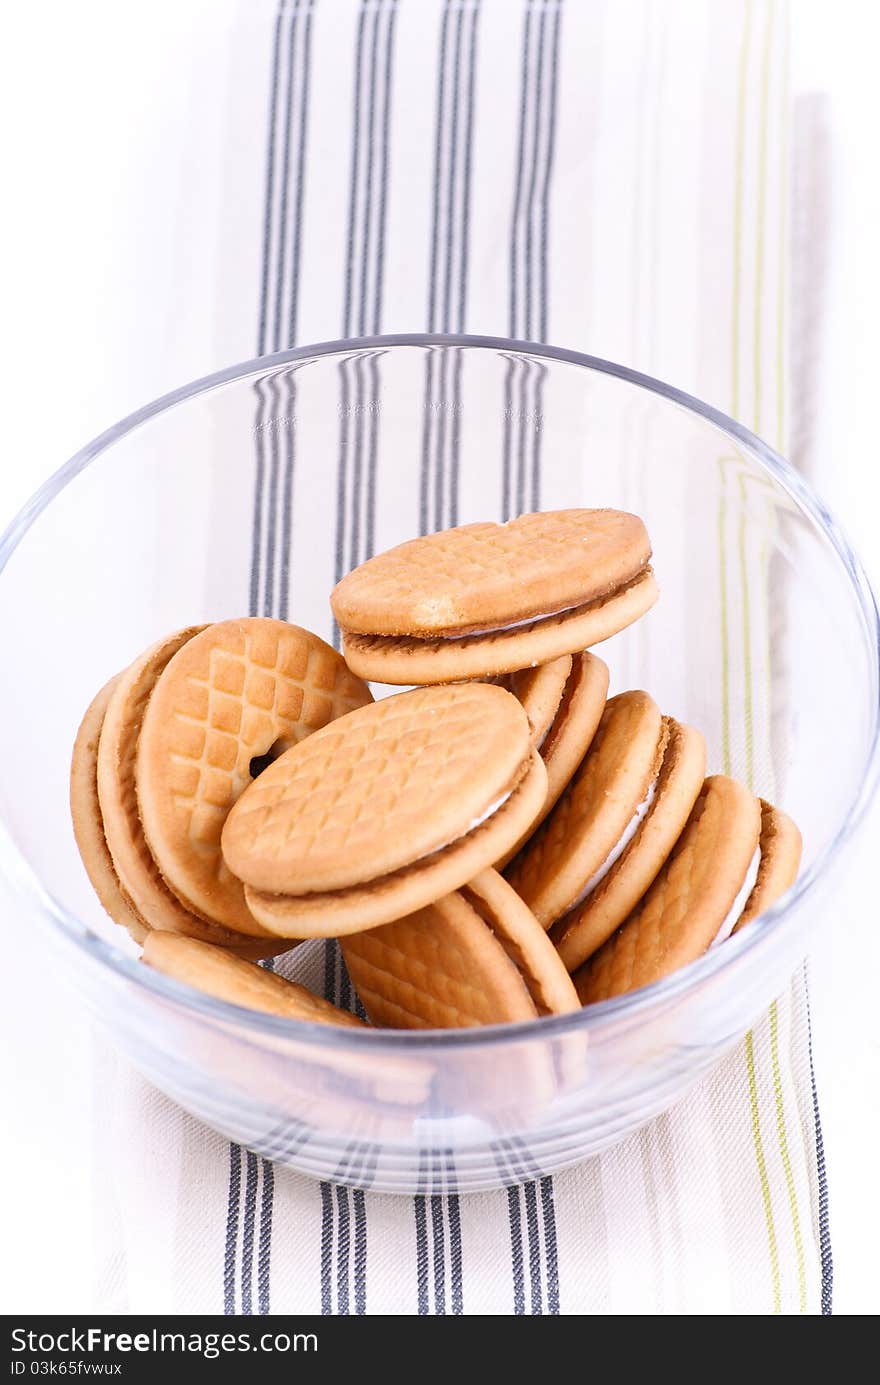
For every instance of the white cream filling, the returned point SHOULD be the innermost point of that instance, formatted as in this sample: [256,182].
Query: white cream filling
[478,822]
[513,625]
[619,848]
[739,903]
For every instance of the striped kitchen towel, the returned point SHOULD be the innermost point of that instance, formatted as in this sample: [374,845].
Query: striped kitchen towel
[608,175]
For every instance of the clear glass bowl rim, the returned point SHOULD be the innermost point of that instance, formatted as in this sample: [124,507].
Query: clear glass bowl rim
[774,925]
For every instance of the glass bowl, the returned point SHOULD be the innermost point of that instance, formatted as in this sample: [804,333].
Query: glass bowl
[252,491]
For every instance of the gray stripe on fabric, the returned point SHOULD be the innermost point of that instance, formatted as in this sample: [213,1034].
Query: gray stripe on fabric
[551,1254]
[232,1211]
[264,1262]
[343,1248]
[356,486]
[273,520]
[326,1248]
[825,1252]
[252,1176]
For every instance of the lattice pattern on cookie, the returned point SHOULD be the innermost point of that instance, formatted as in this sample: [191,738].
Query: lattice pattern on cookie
[383,788]
[579,553]
[262,689]
[437,969]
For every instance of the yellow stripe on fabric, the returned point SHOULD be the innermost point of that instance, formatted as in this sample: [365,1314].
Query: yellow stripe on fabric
[739,182]
[784,176]
[735,406]
[781,1127]
[761,208]
[747,641]
[762,1171]
[786,1158]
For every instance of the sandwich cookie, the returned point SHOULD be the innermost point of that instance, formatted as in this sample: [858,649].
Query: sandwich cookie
[699,893]
[88,825]
[774,872]
[217,973]
[569,736]
[486,599]
[139,879]
[385,811]
[230,698]
[477,956]
[539,691]
[613,827]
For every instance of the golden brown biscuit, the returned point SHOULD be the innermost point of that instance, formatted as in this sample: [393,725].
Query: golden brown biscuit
[593,813]
[389,809]
[631,866]
[688,903]
[231,695]
[539,690]
[477,956]
[488,599]
[88,825]
[133,862]
[569,736]
[781,846]
[216,972]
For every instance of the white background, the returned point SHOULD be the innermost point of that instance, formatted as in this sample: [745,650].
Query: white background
[76,128]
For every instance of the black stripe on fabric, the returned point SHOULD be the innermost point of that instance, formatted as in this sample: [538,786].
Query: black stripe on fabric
[551,1254]
[299,194]
[522,1167]
[825,1254]
[272,504]
[448,268]
[538,87]
[367,218]
[549,154]
[257,518]
[453,1217]
[420,1212]
[232,1210]
[360,1251]
[326,1248]
[379,275]
[270,185]
[438,1236]
[252,1174]
[343,1248]
[284,180]
[520,173]
[257,523]
[530,1193]
[264,1262]
[271,529]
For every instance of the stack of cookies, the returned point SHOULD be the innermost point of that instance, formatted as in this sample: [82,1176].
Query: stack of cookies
[498,843]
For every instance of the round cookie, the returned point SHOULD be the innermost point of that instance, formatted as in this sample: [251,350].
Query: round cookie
[417,792]
[616,888]
[477,956]
[781,846]
[337,913]
[216,972]
[568,738]
[539,691]
[235,693]
[594,811]
[138,875]
[88,825]
[688,903]
[488,599]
